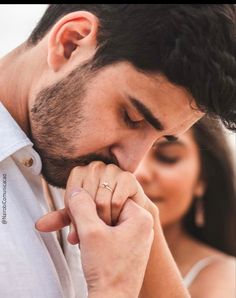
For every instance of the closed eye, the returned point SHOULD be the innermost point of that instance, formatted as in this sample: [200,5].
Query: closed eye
[167,159]
[131,123]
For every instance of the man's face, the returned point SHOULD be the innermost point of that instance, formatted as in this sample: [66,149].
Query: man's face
[113,115]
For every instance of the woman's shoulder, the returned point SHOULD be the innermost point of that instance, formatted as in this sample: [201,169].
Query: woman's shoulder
[208,272]
[217,277]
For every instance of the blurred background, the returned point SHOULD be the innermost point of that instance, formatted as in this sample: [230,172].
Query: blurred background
[16,23]
[18,20]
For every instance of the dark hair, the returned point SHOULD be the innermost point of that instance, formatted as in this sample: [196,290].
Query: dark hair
[193,46]
[217,170]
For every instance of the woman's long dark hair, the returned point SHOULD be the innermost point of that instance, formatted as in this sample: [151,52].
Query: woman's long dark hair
[218,171]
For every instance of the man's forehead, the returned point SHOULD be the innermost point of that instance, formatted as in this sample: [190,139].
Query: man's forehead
[158,90]
[165,104]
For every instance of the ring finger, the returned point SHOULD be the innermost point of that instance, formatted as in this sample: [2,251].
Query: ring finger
[106,188]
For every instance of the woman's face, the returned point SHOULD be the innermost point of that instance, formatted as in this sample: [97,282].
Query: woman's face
[169,174]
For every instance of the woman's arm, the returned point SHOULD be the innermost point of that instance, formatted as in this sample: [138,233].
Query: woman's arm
[162,277]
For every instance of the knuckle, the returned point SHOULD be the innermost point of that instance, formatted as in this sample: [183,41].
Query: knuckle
[75,174]
[101,204]
[96,165]
[94,169]
[131,176]
[117,203]
[155,209]
[111,167]
[126,176]
[75,171]
[146,220]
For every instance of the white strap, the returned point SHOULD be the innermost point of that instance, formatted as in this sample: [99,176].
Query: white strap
[195,270]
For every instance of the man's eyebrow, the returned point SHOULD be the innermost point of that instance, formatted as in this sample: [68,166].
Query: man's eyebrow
[147,114]
[149,117]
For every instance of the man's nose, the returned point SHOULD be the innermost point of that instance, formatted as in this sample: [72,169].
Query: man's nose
[144,171]
[130,154]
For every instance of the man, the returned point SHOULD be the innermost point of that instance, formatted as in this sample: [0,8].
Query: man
[100,83]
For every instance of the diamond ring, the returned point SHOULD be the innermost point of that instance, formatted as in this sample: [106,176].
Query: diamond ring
[106,185]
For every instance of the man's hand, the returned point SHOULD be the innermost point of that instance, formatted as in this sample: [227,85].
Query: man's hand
[109,202]
[114,258]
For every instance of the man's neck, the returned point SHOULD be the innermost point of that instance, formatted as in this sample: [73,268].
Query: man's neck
[19,69]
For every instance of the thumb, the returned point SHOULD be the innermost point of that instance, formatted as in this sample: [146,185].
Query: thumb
[83,211]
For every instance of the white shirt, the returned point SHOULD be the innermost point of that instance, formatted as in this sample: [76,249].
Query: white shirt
[32,264]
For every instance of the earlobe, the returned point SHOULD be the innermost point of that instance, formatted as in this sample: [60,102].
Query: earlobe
[75,33]
[199,189]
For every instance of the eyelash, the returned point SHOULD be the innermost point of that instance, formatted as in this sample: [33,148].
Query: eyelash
[167,160]
[130,123]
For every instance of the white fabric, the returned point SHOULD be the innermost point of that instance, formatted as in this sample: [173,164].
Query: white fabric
[71,252]
[32,264]
[195,270]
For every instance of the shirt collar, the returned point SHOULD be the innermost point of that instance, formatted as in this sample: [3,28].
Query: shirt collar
[13,140]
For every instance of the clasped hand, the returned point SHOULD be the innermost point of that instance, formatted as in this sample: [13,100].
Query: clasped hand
[109,201]
[114,226]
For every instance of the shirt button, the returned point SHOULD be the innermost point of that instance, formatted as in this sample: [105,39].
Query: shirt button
[28,162]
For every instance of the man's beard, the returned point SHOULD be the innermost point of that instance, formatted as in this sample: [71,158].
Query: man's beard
[57,170]
[55,118]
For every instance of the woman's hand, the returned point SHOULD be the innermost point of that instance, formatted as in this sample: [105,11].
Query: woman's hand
[108,185]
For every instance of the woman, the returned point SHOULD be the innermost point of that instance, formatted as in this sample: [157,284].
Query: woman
[192,183]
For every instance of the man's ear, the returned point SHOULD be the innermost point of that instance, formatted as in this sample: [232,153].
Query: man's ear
[75,33]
